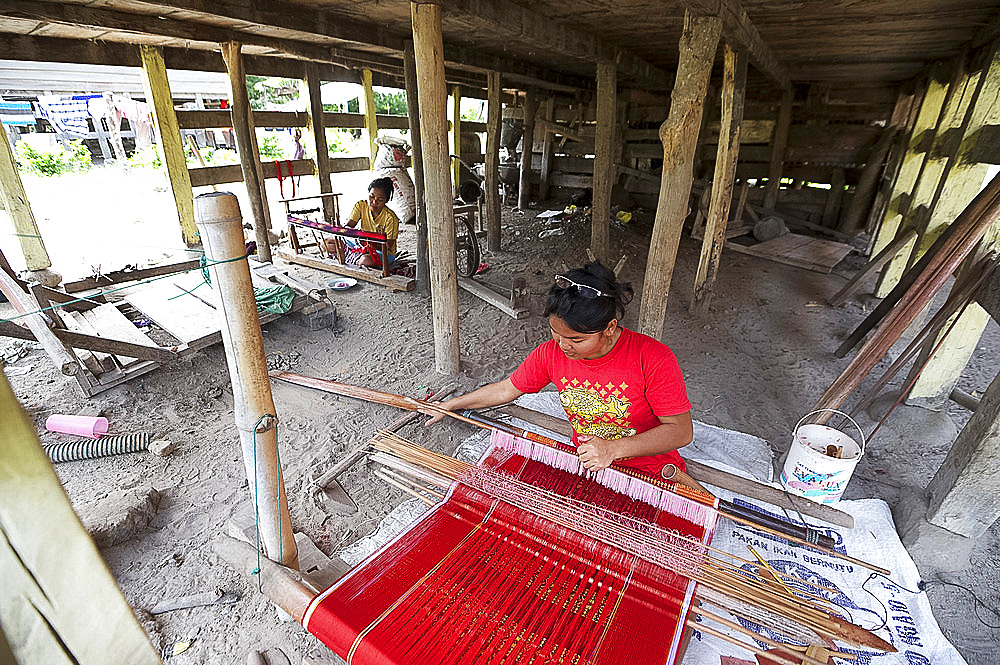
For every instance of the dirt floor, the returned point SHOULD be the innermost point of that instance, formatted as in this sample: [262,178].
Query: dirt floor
[755,362]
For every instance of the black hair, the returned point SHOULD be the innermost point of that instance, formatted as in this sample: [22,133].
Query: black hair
[385,184]
[584,314]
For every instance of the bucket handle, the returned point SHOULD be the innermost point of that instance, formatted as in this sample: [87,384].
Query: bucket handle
[853,422]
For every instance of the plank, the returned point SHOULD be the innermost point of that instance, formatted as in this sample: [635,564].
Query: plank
[183,316]
[797,250]
[488,295]
[97,362]
[120,276]
[392,282]
[111,324]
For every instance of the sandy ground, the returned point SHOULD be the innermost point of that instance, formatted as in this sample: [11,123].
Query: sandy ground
[755,362]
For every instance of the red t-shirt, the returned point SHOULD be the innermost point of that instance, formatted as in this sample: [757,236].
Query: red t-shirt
[617,395]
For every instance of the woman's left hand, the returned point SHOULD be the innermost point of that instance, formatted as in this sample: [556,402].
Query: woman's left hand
[594,452]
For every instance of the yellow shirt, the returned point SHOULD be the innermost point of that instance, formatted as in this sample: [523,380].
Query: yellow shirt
[386,223]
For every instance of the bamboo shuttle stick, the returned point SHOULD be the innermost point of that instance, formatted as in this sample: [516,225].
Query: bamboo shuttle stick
[799,658]
[404,488]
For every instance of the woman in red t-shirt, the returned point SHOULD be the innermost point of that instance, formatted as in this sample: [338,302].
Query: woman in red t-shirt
[623,391]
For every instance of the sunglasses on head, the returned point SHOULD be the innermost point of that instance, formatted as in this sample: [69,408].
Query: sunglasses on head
[563,282]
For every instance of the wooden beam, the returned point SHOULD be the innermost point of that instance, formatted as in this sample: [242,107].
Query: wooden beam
[456,137]
[27,307]
[433,94]
[491,297]
[778,143]
[851,221]
[741,33]
[246,144]
[869,268]
[416,155]
[834,198]
[527,147]
[734,84]
[79,340]
[492,202]
[962,494]
[546,166]
[15,201]
[679,134]
[604,169]
[168,136]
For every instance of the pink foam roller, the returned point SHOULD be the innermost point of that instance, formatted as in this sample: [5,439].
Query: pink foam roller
[88,426]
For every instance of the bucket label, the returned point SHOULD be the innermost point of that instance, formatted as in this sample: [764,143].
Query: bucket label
[810,483]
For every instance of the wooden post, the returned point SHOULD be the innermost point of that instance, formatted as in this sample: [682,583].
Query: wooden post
[604,165]
[921,136]
[528,141]
[679,134]
[368,110]
[965,178]
[15,202]
[314,103]
[493,118]
[926,192]
[543,183]
[221,225]
[963,491]
[834,198]
[168,136]
[26,306]
[433,92]
[416,154]
[734,84]
[60,603]
[246,145]
[851,221]
[778,143]
[456,138]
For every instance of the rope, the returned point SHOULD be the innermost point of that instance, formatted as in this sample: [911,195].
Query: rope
[256,500]
[121,288]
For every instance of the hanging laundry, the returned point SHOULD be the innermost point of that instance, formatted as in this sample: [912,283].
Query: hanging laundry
[138,116]
[17,114]
[66,115]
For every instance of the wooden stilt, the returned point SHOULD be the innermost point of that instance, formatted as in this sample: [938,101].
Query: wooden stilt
[456,137]
[368,110]
[548,113]
[432,90]
[734,80]
[416,155]
[315,127]
[678,133]
[246,144]
[778,143]
[168,136]
[831,207]
[220,222]
[850,222]
[604,163]
[527,142]
[15,202]
[492,202]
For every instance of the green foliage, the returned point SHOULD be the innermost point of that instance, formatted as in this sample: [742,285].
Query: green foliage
[264,90]
[213,157]
[390,103]
[472,115]
[147,157]
[353,106]
[269,146]
[52,163]
[337,140]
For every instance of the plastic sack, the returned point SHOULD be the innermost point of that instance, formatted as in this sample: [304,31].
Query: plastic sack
[404,195]
[391,153]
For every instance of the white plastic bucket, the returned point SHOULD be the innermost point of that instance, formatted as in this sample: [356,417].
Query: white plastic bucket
[808,471]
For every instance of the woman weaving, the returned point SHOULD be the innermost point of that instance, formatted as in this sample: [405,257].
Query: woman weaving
[375,217]
[623,391]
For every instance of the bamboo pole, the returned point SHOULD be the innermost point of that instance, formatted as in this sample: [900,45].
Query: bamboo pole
[246,145]
[220,223]
[416,154]
[284,586]
[368,110]
[492,201]
[527,146]
[432,91]
[679,135]
[543,181]
[604,163]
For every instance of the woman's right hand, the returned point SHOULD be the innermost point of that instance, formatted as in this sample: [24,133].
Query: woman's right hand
[434,412]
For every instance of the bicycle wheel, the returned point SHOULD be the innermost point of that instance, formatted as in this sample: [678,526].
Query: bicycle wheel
[467,252]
